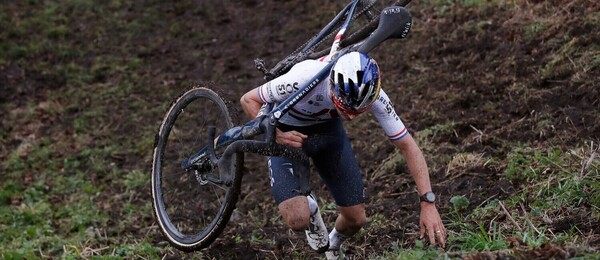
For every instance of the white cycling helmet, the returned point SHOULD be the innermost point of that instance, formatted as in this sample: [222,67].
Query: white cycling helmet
[355,82]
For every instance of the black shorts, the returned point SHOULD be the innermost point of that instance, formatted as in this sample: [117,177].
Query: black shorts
[329,148]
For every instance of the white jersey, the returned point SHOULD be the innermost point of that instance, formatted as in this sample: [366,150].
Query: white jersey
[317,106]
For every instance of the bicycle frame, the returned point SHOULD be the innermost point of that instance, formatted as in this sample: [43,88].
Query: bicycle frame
[394,22]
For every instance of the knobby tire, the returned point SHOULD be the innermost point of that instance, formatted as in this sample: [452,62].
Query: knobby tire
[191,215]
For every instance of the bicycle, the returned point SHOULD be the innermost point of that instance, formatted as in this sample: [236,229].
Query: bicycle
[206,178]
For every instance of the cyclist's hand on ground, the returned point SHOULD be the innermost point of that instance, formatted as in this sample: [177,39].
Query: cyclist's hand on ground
[291,138]
[431,223]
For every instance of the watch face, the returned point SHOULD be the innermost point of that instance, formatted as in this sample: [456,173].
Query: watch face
[430,197]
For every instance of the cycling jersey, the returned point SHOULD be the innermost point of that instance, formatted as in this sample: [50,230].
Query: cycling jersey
[317,106]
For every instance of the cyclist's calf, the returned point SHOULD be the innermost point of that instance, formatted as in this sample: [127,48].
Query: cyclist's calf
[351,219]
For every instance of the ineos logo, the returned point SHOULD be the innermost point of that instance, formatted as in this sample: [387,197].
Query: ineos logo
[406,29]
[392,10]
[282,89]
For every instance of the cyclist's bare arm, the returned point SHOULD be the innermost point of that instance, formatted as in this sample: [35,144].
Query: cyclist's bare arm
[430,221]
[251,104]
[416,162]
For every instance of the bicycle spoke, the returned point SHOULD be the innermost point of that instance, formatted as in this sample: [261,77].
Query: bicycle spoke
[188,204]
[217,195]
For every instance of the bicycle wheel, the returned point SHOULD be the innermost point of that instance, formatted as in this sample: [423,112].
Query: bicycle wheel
[191,212]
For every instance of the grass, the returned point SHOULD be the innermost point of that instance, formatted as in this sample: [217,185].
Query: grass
[557,183]
[445,6]
[79,188]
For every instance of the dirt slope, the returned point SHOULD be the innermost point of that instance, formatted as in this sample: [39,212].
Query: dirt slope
[468,80]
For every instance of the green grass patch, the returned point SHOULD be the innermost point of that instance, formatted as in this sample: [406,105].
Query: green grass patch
[478,238]
[551,182]
[554,175]
[535,28]
[418,252]
[74,156]
[444,6]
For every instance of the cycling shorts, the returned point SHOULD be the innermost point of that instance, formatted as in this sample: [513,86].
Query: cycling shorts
[329,148]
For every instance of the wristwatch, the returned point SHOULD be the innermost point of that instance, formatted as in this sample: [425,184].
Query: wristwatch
[428,197]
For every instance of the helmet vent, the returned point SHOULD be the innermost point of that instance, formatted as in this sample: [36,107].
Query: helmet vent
[365,90]
[341,82]
[359,76]
[352,88]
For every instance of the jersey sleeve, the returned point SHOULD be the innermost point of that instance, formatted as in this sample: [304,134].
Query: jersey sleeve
[384,111]
[280,88]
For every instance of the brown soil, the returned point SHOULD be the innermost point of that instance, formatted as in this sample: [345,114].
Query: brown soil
[468,78]
[484,82]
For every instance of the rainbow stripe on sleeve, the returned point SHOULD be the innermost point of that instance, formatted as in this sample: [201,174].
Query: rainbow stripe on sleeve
[261,95]
[399,135]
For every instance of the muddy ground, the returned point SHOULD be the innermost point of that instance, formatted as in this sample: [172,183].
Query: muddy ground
[440,74]
[467,69]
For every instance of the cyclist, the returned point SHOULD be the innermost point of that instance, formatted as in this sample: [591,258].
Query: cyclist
[315,125]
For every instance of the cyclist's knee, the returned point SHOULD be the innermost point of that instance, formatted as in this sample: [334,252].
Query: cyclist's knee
[354,216]
[357,221]
[297,223]
[295,213]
